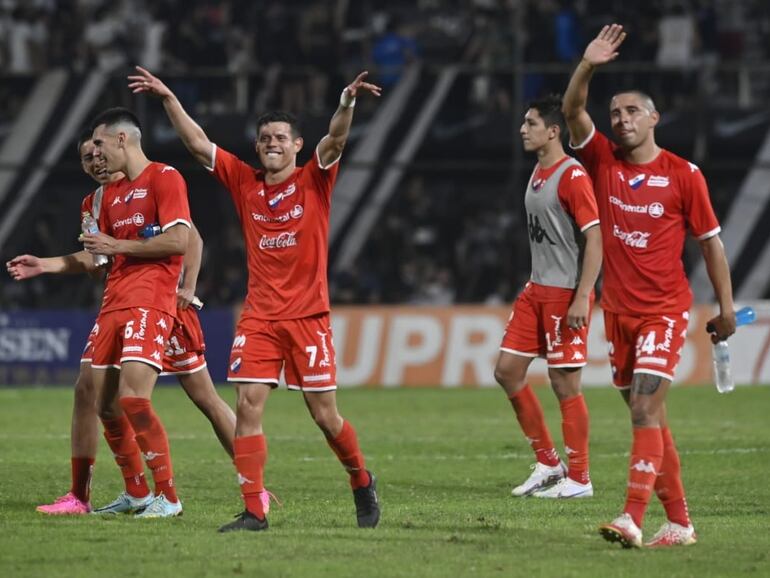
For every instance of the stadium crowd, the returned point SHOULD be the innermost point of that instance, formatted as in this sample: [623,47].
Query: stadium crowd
[438,240]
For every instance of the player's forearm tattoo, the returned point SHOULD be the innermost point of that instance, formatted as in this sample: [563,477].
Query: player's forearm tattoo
[646,384]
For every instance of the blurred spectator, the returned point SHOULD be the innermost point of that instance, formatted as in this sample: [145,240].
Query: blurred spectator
[392,50]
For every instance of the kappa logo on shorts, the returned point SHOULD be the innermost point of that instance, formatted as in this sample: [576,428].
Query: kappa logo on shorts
[235,366]
[155,355]
[239,342]
[577,356]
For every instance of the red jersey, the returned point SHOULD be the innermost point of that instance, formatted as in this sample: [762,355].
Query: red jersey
[645,211]
[157,196]
[286,230]
[87,205]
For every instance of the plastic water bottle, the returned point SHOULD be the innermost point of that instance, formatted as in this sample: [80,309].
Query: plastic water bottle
[723,375]
[89,225]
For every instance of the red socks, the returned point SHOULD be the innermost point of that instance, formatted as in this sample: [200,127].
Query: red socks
[645,464]
[345,446]
[152,439]
[250,457]
[574,427]
[668,485]
[120,437]
[82,470]
[529,412]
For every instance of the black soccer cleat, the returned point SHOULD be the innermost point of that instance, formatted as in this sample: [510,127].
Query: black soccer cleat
[245,521]
[367,504]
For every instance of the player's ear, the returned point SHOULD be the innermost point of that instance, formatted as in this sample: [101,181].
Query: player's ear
[654,117]
[299,142]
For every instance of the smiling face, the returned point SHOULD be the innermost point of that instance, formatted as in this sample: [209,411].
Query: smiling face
[277,147]
[94,167]
[633,118]
[534,133]
[109,147]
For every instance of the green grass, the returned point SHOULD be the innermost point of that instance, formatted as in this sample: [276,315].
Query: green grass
[446,461]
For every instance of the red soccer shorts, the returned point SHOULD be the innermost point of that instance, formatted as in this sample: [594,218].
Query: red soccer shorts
[185,346]
[538,327]
[302,347]
[88,350]
[644,344]
[135,334]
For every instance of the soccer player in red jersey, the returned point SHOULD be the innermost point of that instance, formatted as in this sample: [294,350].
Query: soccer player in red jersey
[184,358]
[84,435]
[648,199]
[284,212]
[551,315]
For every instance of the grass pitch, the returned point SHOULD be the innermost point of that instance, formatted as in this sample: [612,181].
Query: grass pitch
[446,461]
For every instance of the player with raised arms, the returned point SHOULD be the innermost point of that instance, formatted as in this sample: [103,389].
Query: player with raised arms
[284,212]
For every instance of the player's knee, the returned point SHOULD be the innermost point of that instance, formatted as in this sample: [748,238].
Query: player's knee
[642,414]
[85,393]
[508,379]
[328,420]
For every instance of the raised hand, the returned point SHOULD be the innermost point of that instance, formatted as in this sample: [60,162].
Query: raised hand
[359,84]
[24,267]
[146,82]
[604,48]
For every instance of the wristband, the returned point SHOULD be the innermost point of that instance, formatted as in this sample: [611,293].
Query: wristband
[347,101]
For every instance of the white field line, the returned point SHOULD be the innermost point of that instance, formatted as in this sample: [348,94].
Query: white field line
[437,457]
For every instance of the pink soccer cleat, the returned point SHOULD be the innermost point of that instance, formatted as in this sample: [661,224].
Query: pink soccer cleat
[672,534]
[67,505]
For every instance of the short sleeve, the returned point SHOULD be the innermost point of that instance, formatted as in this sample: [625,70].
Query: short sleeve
[229,170]
[171,198]
[698,211]
[593,150]
[323,177]
[576,193]
[87,205]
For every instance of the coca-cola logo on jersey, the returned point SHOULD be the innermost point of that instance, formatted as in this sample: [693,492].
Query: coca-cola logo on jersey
[637,239]
[282,241]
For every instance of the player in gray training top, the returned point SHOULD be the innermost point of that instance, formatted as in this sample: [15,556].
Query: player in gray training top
[551,315]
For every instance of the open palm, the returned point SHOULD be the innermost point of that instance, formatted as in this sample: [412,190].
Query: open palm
[604,48]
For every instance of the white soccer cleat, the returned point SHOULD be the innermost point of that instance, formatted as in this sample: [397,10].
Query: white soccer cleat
[542,477]
[160,507]
[566,488]
[673,534]
[125,504]
[623,530]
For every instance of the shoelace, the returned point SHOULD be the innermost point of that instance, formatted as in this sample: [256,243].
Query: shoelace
[272,497]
